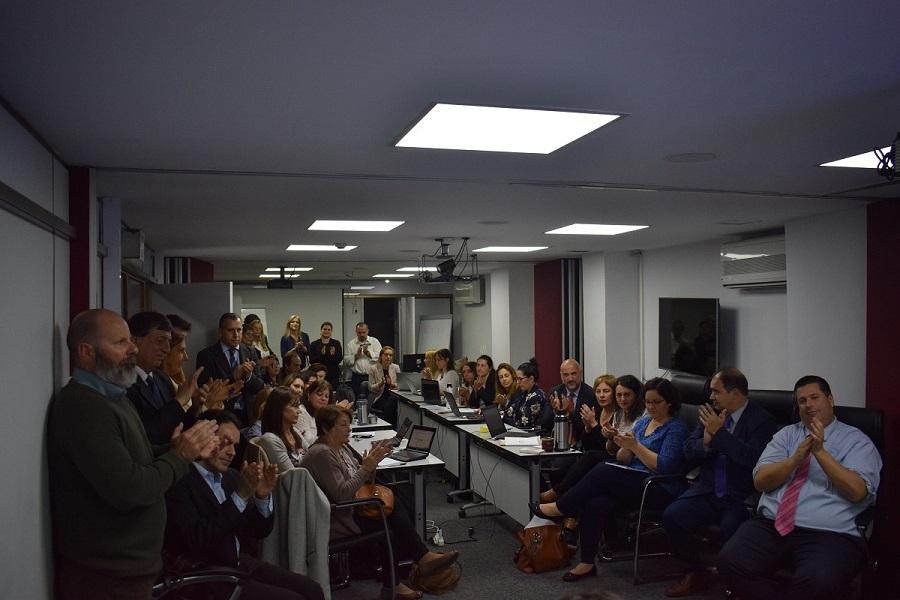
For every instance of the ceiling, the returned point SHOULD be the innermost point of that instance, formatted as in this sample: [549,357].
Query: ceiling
[227,127]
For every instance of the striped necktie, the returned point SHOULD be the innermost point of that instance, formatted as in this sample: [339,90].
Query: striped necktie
[787,510]
[721,482]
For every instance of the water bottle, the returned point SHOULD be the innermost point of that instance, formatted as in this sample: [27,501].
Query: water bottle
[562,430]
[362,412]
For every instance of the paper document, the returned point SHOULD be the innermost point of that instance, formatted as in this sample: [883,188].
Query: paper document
[389,462]
[520,441]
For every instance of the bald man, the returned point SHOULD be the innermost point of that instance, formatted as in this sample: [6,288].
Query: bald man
[107,483]
[571,395]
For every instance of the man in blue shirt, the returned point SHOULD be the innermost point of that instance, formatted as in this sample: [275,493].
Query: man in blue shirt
[815,476]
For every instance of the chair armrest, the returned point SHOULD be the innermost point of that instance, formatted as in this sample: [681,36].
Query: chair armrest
[357,502]
[172,582]
[648,481]
[693,474]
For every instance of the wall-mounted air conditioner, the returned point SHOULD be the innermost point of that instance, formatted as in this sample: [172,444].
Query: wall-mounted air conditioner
[468,292]
[754,263]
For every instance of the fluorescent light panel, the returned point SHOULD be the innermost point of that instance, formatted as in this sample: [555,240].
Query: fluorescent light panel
[497,129]
[510,249]
[274,276]
[417,269]
[866,160]
[288,269]
[324,225]
[595,229]
[362,287]
[318,248]
[393,275]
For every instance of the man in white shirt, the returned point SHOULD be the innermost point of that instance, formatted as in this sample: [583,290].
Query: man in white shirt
[360,354]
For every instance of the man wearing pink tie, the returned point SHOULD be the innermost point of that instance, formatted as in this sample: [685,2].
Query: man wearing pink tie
[815,476]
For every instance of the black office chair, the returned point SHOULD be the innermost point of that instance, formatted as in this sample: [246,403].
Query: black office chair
[340,548]
[176,578]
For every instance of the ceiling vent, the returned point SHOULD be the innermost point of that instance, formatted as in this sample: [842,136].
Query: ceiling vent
[754,263]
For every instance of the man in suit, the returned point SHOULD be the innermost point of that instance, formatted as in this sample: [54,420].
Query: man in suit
[153,395]
[726,445]
[213,507]
[229,359]
[572,395]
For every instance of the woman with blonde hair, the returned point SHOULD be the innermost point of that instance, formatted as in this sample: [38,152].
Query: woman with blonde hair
[294,340]
[430,371]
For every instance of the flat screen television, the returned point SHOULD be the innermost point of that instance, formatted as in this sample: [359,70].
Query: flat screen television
[689,335]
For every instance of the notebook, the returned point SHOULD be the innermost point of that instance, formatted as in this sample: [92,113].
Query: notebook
[497,427]
[454,408]
[419,445]
[430,392]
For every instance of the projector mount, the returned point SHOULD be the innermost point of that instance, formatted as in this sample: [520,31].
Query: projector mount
[887,161]
[462,266]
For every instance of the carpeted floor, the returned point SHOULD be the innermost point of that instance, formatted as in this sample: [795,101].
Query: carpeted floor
[489,571]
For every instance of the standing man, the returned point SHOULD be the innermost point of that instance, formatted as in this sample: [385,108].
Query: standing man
[160,408]
[229,359]
[107,483]
[815,476]
[213,505]
[727,446]
[362,352]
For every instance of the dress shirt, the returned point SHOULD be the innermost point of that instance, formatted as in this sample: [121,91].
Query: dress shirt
[214,481]
[227,351]
[361,365]
[820,505]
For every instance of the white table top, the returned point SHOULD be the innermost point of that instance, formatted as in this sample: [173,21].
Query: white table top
[480,430]
[362,444]
[378,424]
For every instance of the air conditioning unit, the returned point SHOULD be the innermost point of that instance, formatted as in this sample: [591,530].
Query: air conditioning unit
[754,263]
[468,292]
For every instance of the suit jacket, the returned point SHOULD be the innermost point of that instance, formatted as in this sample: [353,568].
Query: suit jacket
[584,397]
[742,447]
[203,530]
[215,366]
[376,378]
[160,418]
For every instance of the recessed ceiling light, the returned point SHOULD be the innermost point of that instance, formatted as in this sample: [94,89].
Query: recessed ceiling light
[318,248]
[362,287]
[278,276]
[288,269]
[510,249]
[393,275]
[595,229]
[351,293]
[417,269]
[321,225]
[866,160]
[498,129]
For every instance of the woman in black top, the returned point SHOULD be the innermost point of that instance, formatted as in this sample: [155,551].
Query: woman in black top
[485,388]
[327,351]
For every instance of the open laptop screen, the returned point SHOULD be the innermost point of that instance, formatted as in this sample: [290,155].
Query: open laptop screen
[421,438]
[493,419]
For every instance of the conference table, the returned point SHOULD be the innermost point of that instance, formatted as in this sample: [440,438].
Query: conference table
[506,476]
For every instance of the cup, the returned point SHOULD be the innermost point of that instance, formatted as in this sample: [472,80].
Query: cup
[373,419]
[547,444]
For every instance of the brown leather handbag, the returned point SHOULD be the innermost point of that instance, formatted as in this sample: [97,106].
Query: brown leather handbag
[374,490]
[543,549]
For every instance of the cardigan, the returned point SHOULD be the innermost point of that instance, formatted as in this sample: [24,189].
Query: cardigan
[332,476]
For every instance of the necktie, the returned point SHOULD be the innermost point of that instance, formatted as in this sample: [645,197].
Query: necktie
[232,358]
[720,483]
[154,390]
[787,510]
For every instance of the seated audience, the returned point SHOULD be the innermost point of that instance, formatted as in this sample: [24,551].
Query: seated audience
[429,371]
[259,403]
[726,446]
[445,373]
[507,385]
[529,408]
[292,366]
[594,451]
[294,340]
[260,340]
[107,483]
[213,505]
[327,351]
[339,474]
[467,382]
[281,439]
[295,382]
[815,476]
[484,388]
[321,371]
[630,403]
[160,408]
[270,369]
[173,365]
[317,396]
[383,377]
[571,396]
[654,447]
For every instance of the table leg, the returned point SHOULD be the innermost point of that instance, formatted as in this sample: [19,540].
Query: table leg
[419,500]
[534,481]
[462,450]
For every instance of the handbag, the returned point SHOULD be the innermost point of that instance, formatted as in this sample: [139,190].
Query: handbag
[543,549]
[374,490]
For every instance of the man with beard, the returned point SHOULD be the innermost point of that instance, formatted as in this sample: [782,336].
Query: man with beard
[107,483]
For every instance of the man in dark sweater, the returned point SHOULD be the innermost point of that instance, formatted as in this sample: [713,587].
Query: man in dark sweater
[214,507]
[107,483]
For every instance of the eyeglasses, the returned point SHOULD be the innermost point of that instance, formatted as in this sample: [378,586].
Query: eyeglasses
[522,378]
[654,402]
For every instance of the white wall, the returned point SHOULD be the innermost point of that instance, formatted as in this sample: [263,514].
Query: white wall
[314,305]
[200,303]
[36,262]
[593,302]
[472,326]
[826,301]
[500,317]
[521,316]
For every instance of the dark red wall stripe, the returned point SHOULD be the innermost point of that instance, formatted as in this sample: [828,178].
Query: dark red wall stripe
[80,247]
[882,391]
[201,271]
[548,324]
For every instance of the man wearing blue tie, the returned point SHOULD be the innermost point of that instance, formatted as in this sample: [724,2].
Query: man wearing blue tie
[726,445]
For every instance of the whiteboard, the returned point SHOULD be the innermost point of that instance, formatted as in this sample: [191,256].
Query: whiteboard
[434,332]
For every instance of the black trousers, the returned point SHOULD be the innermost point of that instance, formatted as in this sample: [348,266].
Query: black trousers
[576,471]
[269,582]
[404,538]
[683,517]
[823,562]
[602,493]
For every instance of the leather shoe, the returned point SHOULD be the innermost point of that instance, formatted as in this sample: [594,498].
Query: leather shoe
[535,508]
[691,583]
[570,576]
[436,565]
[549,496]
[411,595]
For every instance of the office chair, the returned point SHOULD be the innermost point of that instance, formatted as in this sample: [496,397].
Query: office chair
[174,582]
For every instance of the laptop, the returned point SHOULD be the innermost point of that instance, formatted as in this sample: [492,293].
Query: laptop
[401,433]
[430,392]
[412,363]
[419,445]
[497,427]
[454,408]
